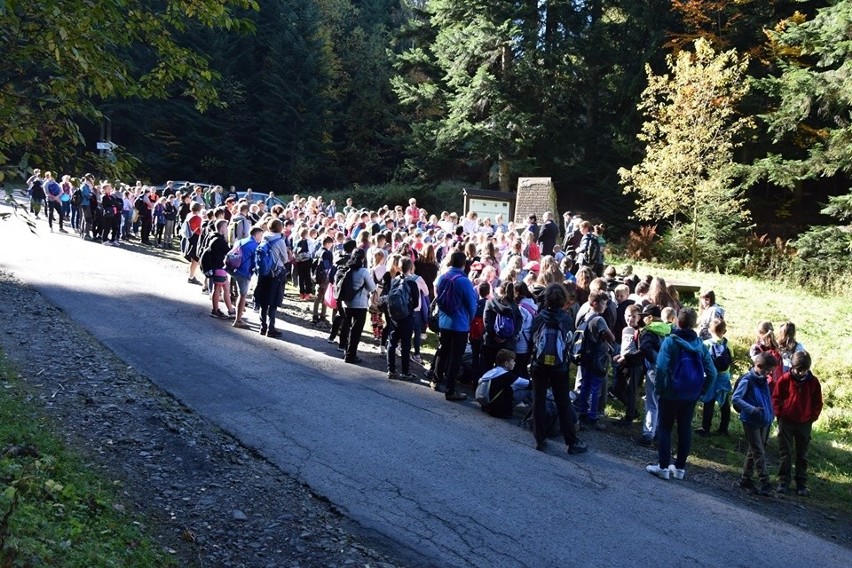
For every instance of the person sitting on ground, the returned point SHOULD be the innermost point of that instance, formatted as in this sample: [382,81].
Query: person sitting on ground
[500,389]
[797,401]
[753,400]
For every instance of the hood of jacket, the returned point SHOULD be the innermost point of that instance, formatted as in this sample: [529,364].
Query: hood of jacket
[687,339]
[493,374]
[500,305]
[660,328]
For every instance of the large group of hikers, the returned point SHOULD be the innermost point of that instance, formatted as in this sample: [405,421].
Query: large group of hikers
[513,305]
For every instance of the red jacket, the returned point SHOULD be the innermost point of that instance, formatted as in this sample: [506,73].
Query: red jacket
[797,400]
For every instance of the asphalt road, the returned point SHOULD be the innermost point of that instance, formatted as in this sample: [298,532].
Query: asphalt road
[435,482]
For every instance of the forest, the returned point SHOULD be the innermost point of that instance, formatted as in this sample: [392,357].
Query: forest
[721,125]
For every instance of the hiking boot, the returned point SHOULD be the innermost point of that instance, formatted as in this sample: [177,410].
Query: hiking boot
[272,332]
[263,330]
[802,491]
[655,469]
[577,447]
[676,473]
[783,488]
[455,396]
[748,485]
[765,490]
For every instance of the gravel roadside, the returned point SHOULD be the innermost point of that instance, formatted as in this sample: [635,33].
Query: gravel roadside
[212,501]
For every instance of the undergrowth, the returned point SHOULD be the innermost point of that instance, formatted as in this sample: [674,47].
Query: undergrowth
[54,511]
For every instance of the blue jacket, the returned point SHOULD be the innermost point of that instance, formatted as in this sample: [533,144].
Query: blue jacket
[249,248]
[669,353]
[752,392]
[465,299]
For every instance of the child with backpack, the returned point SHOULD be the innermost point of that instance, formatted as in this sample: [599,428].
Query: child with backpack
[684,372]
[797,401]
[477,328]
[402,299]
[752,399]
[528,310]
[552,327]
[720,391]
[502,324]
[596,338]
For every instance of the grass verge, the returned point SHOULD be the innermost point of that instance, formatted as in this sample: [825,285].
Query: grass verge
[54,511]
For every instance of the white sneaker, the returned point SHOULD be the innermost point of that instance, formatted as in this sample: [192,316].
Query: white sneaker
[655,469]
[382,350]
[677,473]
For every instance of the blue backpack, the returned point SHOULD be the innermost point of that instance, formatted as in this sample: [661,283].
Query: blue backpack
[504,326]
[446,298]
[263,261]
[688,375]
[549,346]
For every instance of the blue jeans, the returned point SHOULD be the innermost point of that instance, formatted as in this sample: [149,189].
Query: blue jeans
[590,391]
[682,412]
[127,218]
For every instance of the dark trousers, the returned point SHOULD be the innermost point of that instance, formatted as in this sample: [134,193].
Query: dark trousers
[724,410]
[304,270]
[557,380]
[756,437]
[51,207]
[451,346]
[146,228]
[790,433]
[681,411]
[111,225]
[476,351]
[269,303]
[401,334]
[489,355]
[337,318]
[354,321]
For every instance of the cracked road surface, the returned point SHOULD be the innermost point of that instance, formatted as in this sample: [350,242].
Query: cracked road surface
[433,483]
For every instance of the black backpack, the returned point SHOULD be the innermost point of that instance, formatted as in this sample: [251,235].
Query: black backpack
[344,284]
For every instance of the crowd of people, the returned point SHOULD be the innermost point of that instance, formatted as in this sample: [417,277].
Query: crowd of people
[513,306]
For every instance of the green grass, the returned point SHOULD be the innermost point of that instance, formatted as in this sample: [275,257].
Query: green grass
[53,510]
[824,327]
